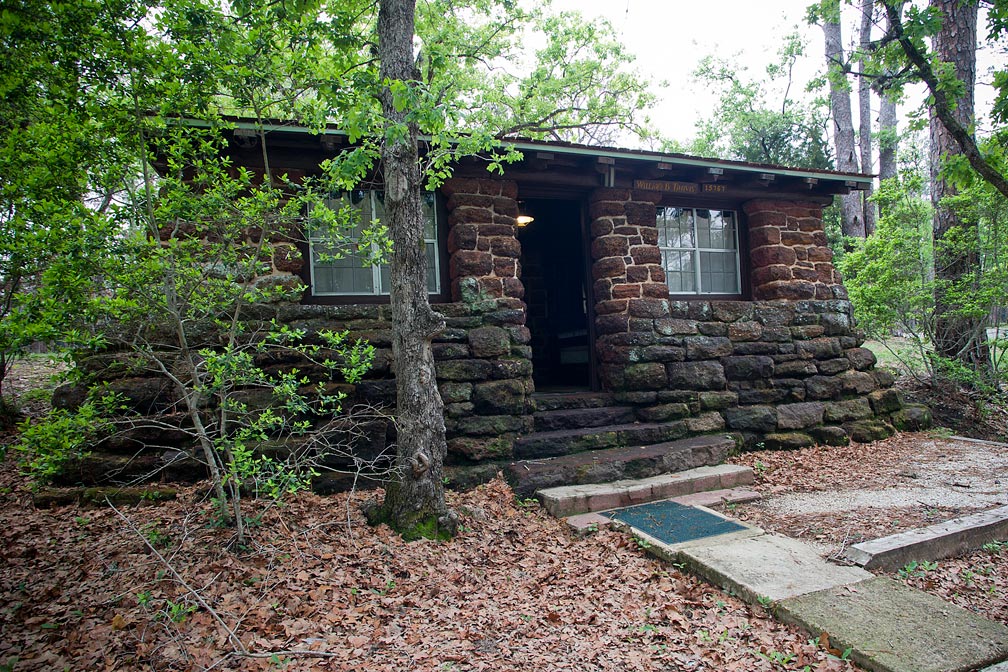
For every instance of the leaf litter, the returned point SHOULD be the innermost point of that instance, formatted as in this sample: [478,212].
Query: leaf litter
[514,591]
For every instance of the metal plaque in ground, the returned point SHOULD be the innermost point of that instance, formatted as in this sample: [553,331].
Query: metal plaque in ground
[674,523]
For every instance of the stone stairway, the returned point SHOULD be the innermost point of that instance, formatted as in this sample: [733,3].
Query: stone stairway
[588,454]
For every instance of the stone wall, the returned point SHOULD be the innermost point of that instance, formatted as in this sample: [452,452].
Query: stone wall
[783,373]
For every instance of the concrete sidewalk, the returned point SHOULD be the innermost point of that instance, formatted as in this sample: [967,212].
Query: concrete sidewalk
[886,625]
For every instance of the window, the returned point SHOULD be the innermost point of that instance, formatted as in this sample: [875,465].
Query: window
[348,274]
[699,250]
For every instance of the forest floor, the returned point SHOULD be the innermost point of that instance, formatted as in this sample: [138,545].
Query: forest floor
[162,587]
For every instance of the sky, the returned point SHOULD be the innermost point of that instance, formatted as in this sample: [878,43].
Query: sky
[669,37]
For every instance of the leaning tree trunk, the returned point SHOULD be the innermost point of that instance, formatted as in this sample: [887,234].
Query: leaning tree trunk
[864,116]
[957,337]
[851,215]
[414,504]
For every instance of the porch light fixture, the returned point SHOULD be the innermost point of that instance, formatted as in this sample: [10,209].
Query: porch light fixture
[523,219]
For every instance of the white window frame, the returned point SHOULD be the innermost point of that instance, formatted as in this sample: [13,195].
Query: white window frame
[338,202]
[661,220]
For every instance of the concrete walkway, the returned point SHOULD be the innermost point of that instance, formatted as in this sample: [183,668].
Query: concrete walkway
[886,625]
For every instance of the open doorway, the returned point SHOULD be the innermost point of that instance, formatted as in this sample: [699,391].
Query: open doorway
[557,293]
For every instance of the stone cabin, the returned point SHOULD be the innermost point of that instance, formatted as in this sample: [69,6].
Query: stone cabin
[652,297]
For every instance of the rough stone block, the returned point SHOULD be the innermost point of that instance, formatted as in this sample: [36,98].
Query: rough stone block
[470,263]
[673,327]
[499,397]
[489,342]
[819,348]
[463,369]
[708,375]
[717,400]
[823,387]
[663,412]
[857,382]
[787,441]
[861,359]
[754,367]
[752,418]
[479,449]
[851,409]
[866,431]
[645,376]
[706,423]
[884,402]
[800,416]
[707,347]
[830,435]
[831,367]
[912,418]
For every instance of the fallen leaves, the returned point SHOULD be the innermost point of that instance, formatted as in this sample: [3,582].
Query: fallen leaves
[512,592]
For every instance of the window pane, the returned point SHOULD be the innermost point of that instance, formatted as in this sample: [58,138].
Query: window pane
[722,231]
[432,271]
[348,275]
[684,229]
[703,227]
[718,273]
[427,204]
[679,271]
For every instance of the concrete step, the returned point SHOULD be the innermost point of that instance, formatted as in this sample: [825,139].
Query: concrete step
[560,401]
[613,464]
[581,418]
[568,441]
[703,486]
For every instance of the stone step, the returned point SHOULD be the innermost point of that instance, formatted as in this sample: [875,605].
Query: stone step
[569,500]
[613,464]
[561,401]
[567,441]
[581,418]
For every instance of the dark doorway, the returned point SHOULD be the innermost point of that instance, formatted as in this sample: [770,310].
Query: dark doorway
[557,293]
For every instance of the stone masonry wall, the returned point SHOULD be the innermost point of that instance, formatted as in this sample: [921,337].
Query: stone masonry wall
[784,373]
[483,357]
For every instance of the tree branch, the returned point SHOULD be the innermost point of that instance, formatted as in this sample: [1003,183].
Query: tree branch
[943,107]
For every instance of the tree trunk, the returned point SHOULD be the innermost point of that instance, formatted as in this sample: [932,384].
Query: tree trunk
[957,337]
[415,504]
[888,138]
[865,118]
[888,129]
[851,215]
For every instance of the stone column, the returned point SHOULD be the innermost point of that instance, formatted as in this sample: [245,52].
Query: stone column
[481,237]
[789,256]
[629,287]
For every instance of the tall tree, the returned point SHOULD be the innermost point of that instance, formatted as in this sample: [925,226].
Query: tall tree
[415,505]
[888,124]
[864,114]
[958,337]
[851,211]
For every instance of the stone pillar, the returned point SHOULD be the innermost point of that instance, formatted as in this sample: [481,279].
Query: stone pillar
[481,237]
[788,253]
[629,286]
